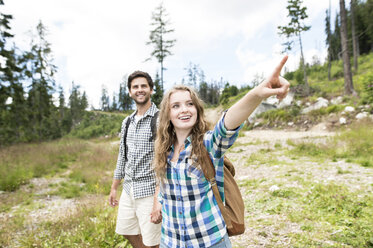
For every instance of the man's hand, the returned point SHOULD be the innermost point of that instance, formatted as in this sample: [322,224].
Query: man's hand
[113,198]
[156,215]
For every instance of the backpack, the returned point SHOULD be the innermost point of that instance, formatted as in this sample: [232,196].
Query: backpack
[234,210]
[153,126]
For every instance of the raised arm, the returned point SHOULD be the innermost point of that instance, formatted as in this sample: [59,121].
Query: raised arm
[273,85]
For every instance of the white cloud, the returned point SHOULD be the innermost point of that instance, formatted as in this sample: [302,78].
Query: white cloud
[96,42]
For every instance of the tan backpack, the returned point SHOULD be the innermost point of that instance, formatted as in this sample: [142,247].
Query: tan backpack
[234,210]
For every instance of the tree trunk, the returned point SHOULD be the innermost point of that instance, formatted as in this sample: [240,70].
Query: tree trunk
[162,75]
[355,41]
[330,46]
[329,67]
[303,65]
[349,88]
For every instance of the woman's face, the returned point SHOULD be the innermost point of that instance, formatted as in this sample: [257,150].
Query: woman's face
[183,113]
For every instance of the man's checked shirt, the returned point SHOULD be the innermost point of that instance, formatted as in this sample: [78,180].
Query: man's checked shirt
[138,171]
[190,213]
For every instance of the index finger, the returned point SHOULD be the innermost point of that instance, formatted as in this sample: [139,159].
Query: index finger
[278,69]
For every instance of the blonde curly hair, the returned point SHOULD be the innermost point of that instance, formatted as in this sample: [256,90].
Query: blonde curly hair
[166,135]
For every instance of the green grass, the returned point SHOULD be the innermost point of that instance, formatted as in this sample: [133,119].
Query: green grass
[20,163]
[87,172]
[353,145]
[320,211]
[89,165]
[98,124]
[91,226]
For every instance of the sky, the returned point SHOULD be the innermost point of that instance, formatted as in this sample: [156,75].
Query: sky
[96,43]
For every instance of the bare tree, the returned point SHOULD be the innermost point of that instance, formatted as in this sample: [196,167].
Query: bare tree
[158,39]
[295,27]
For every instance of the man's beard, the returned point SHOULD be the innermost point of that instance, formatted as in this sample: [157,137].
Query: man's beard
[146,100]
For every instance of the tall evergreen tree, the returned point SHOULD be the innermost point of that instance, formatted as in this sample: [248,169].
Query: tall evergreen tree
[12,101]
[124,100]
[195,75]
[114,103]
[105,102]
[349,87]
[295,27]
[41,73]
[328,33]
[157,38]
[355,39]
[158,91]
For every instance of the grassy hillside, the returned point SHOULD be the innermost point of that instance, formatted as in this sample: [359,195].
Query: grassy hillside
[98,124]
[320,87]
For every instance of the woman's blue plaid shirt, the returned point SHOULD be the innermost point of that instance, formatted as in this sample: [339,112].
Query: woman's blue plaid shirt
[190,213]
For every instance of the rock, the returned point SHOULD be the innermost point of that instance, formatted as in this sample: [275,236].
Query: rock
[319,127]
[263,107]
[290,124]
[298,103]
[271,100]
[333,118]
[337,100]
[362,115]
[349,109]
[274,188]
[320,103]
[287,100]
[342,121]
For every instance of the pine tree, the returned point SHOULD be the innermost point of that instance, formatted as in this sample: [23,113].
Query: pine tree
[157,38]
[158,91]
[12,101]
[105,102]
[355,39]
[328,33]
[41,73]
[114,103]
[295,27]
[124,100]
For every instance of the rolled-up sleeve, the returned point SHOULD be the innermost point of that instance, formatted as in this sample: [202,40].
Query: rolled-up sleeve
[220,139]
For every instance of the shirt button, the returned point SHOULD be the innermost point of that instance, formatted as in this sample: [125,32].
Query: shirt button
[181,212]
[178,198]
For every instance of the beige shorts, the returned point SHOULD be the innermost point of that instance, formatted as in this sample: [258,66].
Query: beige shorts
[134,218]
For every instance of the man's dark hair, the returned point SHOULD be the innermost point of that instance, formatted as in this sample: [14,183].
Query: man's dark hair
[138,74]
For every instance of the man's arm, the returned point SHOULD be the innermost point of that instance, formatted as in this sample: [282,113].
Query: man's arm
[113,193]
[156,215]
[119,170]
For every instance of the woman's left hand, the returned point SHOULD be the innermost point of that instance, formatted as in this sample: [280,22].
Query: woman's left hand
[156,214]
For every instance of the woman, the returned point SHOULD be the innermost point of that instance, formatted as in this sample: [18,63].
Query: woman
[190,214]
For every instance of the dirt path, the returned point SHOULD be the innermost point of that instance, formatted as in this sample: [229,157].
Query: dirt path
[276,174]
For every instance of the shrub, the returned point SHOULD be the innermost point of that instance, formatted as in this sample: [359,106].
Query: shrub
[367,81]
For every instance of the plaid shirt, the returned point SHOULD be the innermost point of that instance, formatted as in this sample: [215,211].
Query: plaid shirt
[191,215]
[137,171]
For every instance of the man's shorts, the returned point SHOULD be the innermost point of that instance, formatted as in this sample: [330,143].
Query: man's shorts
[134,218]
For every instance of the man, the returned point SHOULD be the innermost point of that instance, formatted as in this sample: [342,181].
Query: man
[134,165]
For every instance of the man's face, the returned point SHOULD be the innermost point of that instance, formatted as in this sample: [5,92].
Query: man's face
[140,91]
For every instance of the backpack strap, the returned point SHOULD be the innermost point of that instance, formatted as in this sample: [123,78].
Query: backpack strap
[125,137]
[209,172]
[153,126]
